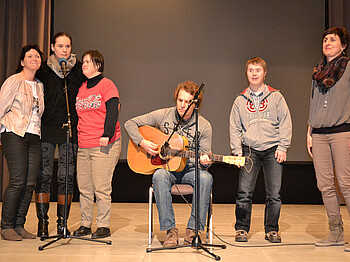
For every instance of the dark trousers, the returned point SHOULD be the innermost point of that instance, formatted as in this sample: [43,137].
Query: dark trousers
[246,185]
[23,160]
[46,168]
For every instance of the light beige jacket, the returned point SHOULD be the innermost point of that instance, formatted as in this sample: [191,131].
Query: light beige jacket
[16,103]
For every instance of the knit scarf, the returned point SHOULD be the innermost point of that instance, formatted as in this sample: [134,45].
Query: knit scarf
[52,62]
[327,74]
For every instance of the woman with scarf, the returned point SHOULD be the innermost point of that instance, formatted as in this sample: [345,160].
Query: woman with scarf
[328,135]
[53,132]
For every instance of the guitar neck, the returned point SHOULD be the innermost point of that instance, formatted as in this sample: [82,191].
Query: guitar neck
[191,154]
[233,160]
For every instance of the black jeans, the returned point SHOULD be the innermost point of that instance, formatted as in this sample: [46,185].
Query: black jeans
[23,160]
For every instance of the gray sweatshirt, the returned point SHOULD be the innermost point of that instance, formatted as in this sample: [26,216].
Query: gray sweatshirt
[165,120]
[260,128]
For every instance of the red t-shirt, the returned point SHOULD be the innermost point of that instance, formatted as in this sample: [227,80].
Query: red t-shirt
[91,109]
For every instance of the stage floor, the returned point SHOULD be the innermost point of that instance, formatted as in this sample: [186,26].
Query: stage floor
[300,227]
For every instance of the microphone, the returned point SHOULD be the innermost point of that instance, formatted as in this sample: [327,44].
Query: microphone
[63,63]
[198,91]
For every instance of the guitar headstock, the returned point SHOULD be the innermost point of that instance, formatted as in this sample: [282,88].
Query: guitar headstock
[234,160]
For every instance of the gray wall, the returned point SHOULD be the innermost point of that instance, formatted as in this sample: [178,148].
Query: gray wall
[152,45]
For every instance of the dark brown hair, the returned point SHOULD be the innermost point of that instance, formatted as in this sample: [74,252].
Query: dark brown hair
[59,34]
[25,49]
[342,33]
[96,58]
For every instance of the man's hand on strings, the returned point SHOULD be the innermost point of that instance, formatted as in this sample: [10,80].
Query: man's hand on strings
[150,147]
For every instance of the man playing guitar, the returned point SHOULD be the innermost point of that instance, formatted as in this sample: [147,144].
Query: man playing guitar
[165,120]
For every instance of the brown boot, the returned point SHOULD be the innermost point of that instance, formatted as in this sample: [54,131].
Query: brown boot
[190,233]
[24,233]
[10,234]
[172,238]
[336,235]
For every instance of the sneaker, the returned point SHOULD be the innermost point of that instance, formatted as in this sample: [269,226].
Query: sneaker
[172,238]
[82,231]
[101,232]
[24,233]
[10,234]
[273,237]
[241,236]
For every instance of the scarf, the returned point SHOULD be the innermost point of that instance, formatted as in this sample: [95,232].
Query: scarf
[52,62]
[327,74]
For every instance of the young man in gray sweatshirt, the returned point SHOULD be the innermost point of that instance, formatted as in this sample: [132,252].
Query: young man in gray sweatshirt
[260,129]
[165,120]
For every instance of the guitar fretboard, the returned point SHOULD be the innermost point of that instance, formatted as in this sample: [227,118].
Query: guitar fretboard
[191,154]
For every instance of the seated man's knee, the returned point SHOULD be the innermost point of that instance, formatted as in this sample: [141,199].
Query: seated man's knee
[160,176]
[206,178]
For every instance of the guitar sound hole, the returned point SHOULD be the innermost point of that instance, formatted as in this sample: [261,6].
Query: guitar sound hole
[157,161]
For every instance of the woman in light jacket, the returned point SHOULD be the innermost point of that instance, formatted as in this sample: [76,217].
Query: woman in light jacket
[21,108]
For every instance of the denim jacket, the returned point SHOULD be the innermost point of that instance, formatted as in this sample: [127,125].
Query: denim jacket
[16,103]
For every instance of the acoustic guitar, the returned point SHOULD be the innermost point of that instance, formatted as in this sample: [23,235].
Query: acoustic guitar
[172,158]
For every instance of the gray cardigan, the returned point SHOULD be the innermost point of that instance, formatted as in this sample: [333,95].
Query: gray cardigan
[337,111]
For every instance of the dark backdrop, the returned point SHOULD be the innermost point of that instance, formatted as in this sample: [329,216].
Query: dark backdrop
[150,46]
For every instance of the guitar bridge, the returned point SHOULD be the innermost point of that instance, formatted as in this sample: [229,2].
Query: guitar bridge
[157,161]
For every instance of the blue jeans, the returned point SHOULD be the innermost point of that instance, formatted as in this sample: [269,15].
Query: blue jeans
[162,182]
[246,185]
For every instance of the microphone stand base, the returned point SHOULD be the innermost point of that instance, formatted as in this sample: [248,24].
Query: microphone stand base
[196,243]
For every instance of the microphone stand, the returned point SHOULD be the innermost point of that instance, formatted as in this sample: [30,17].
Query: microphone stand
[68,127]
[196,241]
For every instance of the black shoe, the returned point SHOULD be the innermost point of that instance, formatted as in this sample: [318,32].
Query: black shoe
[82,231]
[101,232]
[273,237]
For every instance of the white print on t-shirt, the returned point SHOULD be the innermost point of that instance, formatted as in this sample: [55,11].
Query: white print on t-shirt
[93,101]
